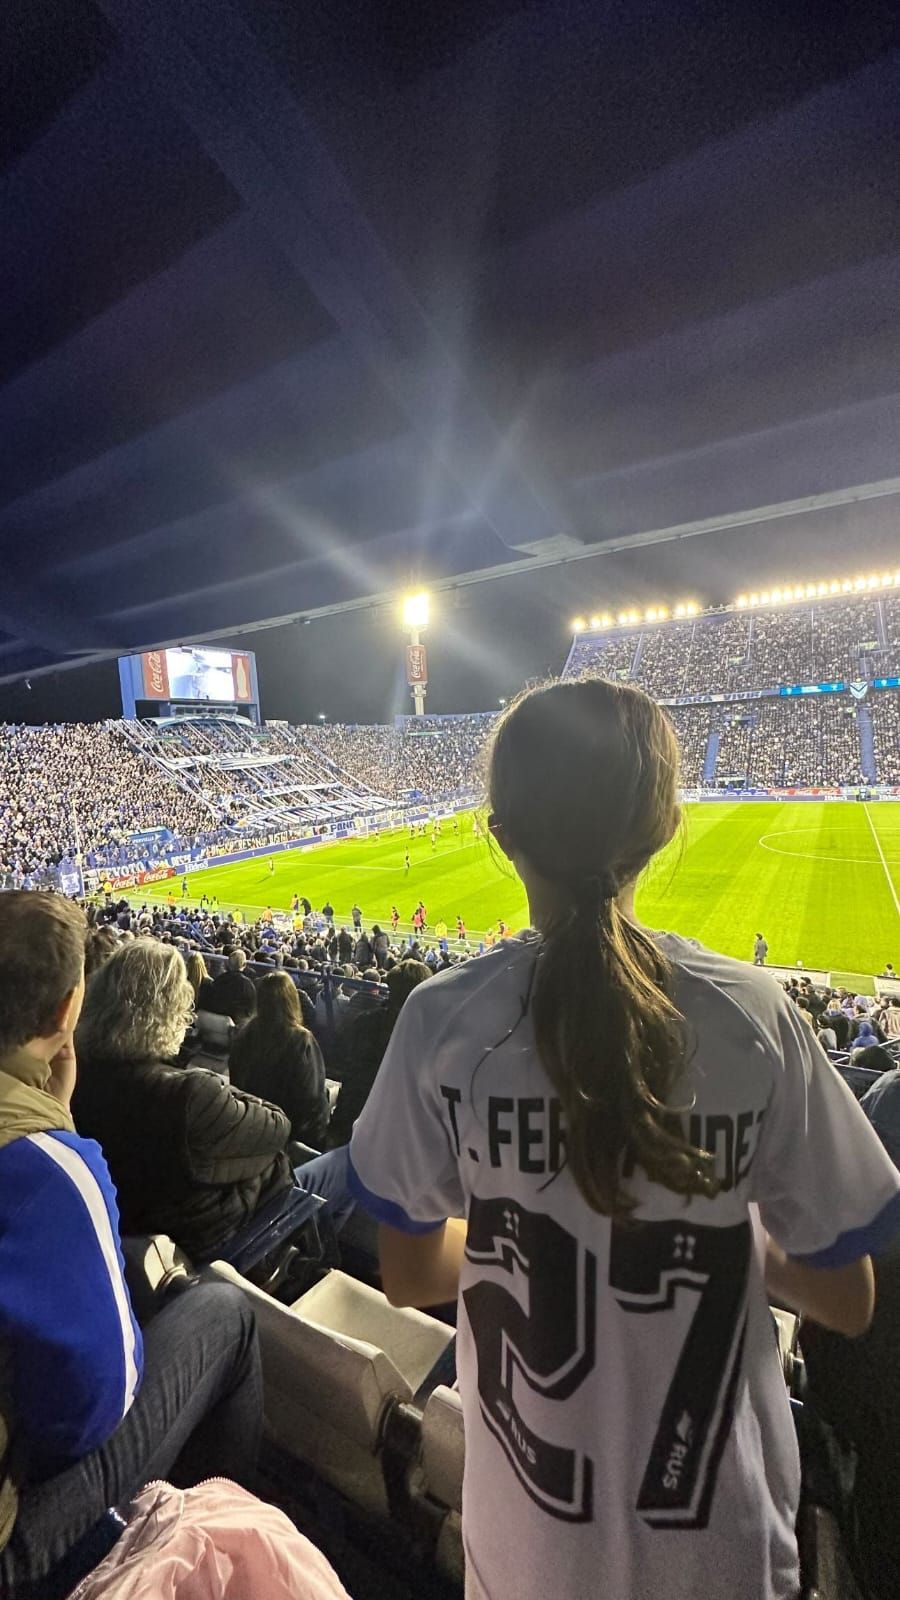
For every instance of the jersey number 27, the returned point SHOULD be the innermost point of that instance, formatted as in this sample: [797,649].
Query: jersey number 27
[550,1348]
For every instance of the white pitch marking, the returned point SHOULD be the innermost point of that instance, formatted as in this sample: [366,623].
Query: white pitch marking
[887,870]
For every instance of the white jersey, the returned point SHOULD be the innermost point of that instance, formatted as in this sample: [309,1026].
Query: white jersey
[628,1430]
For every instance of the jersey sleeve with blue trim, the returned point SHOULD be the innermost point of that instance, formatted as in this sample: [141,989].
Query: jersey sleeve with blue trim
[75,1348]
[827,1191]
[402,1167]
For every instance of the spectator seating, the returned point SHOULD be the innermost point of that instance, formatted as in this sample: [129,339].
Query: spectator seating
[443,1457]
[766,740]
[334,1364]
[728,651]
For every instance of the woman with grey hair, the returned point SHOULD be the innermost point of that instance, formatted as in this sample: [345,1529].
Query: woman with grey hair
[189,1155]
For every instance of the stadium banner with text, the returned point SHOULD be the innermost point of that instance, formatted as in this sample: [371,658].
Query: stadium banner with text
[729,795]
[150,837]
[71,881]
[857,690]
[134,880]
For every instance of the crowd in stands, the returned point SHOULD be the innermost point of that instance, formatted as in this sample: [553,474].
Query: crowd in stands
[885,709]
[766,740]
[80,786]
[692,725]
[888,663]
[729,651]
[786,743]
[439,758]
[89,788]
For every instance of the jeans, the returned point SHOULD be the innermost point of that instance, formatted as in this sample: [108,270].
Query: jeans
[326,1176]
[199,1406]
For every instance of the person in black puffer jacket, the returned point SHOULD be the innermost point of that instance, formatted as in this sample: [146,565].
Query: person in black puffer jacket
[189,1155]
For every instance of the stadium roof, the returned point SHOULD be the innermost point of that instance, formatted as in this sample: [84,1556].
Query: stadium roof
[301,300]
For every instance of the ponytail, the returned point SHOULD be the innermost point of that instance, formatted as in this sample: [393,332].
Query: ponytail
[613,1045]
[587,772]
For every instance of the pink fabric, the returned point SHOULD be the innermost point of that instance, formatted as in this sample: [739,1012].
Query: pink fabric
[215,1542]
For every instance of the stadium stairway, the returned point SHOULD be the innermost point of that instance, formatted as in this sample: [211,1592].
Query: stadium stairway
[866,732]
[712,755]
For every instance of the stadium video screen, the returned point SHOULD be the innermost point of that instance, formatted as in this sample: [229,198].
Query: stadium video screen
[196,672]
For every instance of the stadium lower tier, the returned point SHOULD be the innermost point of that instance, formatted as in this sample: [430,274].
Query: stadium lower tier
[123,793]
[821,880]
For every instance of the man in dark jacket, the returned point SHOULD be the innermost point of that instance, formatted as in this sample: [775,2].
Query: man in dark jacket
[233,994]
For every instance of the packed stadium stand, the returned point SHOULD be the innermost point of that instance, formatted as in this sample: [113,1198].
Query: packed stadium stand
[726,651]
[437,757]
[254,776]
[208,778]
[841,729]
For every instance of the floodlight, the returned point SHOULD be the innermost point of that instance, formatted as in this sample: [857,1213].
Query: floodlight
[415,610]
[579,625]
[742,602]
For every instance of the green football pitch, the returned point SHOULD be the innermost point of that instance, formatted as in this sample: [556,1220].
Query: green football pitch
[820,880]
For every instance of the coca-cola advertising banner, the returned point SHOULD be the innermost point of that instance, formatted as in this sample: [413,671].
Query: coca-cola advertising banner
[416,665]
[156,675]
[133,880]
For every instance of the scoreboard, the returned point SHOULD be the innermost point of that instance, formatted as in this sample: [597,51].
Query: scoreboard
[163,682]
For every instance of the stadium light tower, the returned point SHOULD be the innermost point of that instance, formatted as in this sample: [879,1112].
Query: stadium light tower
[416,614]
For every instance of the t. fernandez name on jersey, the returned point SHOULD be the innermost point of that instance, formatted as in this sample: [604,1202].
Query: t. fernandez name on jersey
[529,1131]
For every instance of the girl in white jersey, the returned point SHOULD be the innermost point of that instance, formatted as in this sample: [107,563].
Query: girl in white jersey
[640,1140]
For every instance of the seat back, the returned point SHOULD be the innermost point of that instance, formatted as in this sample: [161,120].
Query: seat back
[411,1340]
[327,1390]
[443,1447]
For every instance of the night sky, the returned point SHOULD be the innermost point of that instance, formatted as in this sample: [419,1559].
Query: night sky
[488,639]
[306,303]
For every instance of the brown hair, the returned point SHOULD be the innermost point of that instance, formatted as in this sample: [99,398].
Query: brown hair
[197,973]
[584,785]
[278,1008]
[41,962]
[101,944]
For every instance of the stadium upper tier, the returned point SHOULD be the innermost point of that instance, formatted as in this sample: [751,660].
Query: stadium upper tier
[721,652]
